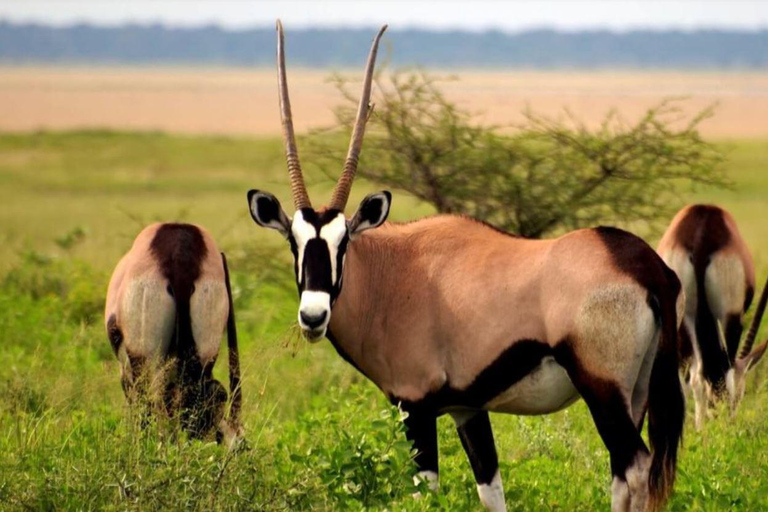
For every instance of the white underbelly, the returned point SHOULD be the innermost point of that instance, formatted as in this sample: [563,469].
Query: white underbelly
[546,389]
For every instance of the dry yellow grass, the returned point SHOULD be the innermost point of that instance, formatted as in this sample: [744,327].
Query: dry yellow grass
[244,102]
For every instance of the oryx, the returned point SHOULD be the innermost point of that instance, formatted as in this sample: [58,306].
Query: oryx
[704,247]
[449,315]
[168,303]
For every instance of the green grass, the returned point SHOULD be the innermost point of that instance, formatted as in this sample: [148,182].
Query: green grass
[320,436]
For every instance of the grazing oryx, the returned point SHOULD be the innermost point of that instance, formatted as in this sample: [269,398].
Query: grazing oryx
[704,247]
[449,315]
[168,303]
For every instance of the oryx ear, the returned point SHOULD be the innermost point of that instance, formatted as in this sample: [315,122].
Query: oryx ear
[267,212]
[372,213]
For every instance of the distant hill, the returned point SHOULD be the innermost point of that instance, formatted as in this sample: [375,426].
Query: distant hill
[323,48]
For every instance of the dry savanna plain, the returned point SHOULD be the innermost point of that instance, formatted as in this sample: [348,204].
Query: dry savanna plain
[89,156]
[242,102]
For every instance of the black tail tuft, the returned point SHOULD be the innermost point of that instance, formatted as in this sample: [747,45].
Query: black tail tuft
[666,403]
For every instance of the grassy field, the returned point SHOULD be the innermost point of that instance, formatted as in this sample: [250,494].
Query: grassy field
[320,436]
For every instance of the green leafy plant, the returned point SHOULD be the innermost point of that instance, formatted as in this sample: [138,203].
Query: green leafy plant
[546,176]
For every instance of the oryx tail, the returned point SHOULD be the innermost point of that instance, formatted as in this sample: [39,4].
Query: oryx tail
[234,355]
[666,405]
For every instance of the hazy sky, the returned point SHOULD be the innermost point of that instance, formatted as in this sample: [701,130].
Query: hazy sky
[447,14]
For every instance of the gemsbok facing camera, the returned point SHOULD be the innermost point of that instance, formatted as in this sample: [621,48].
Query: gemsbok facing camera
[447,314]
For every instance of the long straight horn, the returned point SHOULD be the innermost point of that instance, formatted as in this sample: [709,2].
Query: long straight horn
[343,186]
[298,189]
[750,339]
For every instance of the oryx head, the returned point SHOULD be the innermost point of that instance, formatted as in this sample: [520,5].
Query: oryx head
[319,238]
[748,357]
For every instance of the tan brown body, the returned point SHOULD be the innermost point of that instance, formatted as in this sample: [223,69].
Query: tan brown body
[704,247]
[458,302]
[168,301]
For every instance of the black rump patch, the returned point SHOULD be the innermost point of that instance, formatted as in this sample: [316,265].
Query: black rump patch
[633,256]
[179,249]
[703,232]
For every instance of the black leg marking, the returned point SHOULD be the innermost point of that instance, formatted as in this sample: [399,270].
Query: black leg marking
[616,428]
[421,430]
[200,395]
[684,347]
[733,330]
[477,439]
[609,411]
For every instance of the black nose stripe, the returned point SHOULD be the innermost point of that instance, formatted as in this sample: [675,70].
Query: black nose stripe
[317,266]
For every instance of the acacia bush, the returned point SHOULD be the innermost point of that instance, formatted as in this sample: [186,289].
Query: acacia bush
[542,177]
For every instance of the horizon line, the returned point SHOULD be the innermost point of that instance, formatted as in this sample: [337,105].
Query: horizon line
[374,26]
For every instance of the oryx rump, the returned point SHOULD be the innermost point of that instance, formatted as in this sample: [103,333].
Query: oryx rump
[704,247]
[167,306]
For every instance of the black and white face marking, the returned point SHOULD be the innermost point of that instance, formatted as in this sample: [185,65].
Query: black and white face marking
[319,243]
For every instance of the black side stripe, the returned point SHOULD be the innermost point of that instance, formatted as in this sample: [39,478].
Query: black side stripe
[516,362]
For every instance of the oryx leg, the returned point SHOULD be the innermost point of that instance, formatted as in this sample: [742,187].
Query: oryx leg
[134,382]
[129,373]
[685,350]
[209,309]
[214,408]
[193,379]
[421,431]
[733,330]
[611,411]
[476,435]
[696,380]
[640,390]
[630,458]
